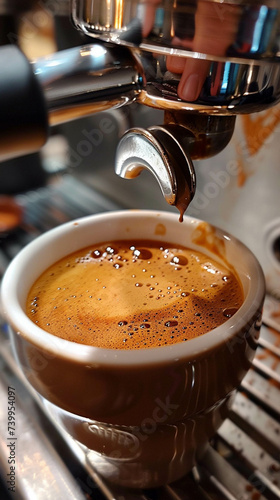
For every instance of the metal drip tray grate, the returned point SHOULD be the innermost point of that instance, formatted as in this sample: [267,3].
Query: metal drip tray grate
[243,459]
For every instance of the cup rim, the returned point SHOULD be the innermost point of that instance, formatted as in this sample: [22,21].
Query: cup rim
[23,326]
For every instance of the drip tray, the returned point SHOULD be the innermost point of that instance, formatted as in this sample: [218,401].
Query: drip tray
[242,461]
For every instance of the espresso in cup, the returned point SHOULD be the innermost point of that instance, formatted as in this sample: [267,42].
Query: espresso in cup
[134,294]
[144,376]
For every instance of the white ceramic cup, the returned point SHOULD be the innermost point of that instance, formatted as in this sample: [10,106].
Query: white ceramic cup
[147,415]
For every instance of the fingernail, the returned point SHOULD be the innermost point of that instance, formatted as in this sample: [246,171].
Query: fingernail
[190,88]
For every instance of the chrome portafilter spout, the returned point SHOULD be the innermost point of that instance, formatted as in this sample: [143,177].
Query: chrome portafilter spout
[167,152]
[162,153]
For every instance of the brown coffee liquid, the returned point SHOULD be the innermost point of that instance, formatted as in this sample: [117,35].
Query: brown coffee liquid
[133,294]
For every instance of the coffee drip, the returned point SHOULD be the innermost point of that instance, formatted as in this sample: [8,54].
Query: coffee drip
[201,62]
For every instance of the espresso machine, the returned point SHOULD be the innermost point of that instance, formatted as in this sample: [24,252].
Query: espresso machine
[169,88]
[201,63]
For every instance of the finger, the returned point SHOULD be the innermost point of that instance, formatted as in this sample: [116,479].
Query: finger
[176,64]
[192,80]
[216,28]
[148,14]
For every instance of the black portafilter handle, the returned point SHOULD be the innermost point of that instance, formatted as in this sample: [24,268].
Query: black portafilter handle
[23,110]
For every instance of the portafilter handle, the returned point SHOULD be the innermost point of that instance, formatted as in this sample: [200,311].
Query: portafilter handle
[58,88]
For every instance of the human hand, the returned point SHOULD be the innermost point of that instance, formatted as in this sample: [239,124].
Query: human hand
[216,26]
